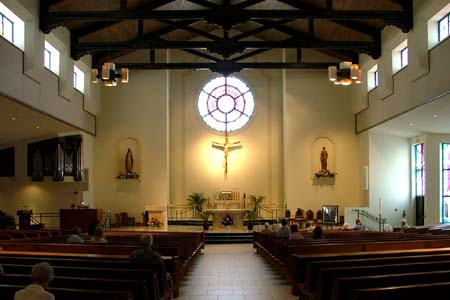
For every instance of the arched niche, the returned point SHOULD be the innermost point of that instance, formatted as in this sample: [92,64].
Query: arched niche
[316,148]
[135,146]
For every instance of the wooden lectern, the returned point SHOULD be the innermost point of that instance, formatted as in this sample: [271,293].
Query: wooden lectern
[69,218]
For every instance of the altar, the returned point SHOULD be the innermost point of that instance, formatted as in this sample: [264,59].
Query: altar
[219,214]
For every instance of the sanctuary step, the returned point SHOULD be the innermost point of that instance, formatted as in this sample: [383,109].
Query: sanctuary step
[228,237]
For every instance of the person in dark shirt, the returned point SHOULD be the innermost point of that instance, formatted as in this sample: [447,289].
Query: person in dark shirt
[146,255]
[317,233]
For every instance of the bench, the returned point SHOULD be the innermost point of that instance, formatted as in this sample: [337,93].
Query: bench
[344,287]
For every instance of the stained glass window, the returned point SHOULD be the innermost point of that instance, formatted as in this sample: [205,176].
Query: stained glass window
[445,155]
[419,169]
[226,104]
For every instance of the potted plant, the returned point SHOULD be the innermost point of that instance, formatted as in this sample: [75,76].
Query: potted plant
[251,217]
[205,216]
[196,201]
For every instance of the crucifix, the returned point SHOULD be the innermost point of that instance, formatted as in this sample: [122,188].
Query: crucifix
[226,148]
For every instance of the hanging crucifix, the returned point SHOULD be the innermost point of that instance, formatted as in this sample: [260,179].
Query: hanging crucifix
[226,148]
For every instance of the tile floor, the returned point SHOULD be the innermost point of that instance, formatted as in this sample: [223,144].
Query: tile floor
[233,272]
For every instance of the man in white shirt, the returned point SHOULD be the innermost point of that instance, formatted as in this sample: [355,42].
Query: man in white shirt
[41,275]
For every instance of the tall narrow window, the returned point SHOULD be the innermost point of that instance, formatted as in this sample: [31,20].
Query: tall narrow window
[444,27]
[12,28]
[51,58]
[47,59]
[419,170]
[6,28]
[375,78]
[372,78]
[78,79]
[404,57]
[445,157]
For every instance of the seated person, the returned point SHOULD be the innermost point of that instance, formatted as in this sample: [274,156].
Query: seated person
[147,256]
[359,225]
[41,275]
[317,233]
[295,235]
[75,238]
[284,231]
[266,228]
[98,236]
[92,226]
[345,227]
[309,227]
[276,225]
[404,225]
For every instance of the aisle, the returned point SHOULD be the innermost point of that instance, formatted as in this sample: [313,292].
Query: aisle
[233,272]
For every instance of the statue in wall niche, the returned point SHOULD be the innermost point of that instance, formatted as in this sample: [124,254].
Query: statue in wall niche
[129,162]
[323,159]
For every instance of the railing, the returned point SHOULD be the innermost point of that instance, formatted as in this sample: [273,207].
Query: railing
[51,220]
[369,219]
[269,211]
[180,212]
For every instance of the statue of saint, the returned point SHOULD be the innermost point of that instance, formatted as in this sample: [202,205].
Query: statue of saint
[323,159]
[129,162]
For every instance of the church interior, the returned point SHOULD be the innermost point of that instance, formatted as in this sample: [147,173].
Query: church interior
[189,118]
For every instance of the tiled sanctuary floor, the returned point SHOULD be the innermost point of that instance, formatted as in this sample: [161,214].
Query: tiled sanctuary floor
[233,272]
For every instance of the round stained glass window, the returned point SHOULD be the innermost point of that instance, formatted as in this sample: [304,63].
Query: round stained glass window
[226,104]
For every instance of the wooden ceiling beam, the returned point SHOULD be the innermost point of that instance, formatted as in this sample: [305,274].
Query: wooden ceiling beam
[102,25]
[204,3]
[224,47]
[60,17]
[261,29]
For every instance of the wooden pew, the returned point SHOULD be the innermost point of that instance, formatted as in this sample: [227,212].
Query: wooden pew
[7,293]
[313,269]
[407,292]
[343,288]
[301,261]
[328,275]
[149,275]
[136,287]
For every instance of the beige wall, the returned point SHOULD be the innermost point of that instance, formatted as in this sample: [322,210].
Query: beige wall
[389,176]
[23,77]
[316,108]
[41,197]
[197,167]
[425,78]
[137,110]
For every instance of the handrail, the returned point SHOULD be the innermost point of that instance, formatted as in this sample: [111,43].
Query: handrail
[376,219]
[39,218]
[180,211]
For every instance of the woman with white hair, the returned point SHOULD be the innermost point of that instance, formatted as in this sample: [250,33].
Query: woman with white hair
[404,225]
[41,275]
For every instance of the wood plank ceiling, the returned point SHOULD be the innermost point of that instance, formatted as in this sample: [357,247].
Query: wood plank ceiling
[224,33]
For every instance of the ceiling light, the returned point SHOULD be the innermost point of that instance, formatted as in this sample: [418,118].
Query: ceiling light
[435,116]
[37,127]
[346,74]
[14,118]
[109,75]
[411,124]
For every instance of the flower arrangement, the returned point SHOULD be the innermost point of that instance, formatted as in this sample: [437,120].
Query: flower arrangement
[325,173]
[155,222]
[227,220]
[128,175]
